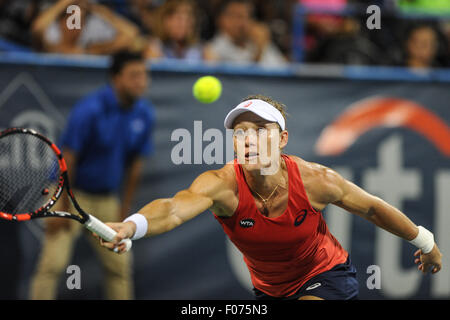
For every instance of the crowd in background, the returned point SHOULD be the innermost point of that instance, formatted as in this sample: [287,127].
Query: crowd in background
[238,31]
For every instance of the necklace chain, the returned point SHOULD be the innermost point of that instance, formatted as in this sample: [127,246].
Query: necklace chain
[265,200]
[271,194]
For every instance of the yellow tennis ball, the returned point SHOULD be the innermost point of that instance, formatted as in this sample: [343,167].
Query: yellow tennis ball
[207,89]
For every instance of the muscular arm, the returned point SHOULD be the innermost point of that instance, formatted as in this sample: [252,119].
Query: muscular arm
[345,194]
[211,190]
[332,188]
[359,202]
[164,215]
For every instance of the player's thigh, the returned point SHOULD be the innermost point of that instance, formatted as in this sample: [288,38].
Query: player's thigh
[310,298]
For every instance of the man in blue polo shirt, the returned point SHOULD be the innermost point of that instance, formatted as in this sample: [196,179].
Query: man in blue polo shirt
[104,142]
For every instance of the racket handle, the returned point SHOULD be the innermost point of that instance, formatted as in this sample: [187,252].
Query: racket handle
[105,232]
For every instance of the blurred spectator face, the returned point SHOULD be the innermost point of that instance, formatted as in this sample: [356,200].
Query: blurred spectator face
[235,21]
[179,24]
[422,46]
[176,22]
[131,82]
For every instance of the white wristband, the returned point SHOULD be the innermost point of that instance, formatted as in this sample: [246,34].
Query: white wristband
[424,240]
[141,225]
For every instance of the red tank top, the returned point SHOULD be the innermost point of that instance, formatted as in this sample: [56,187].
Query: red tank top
[282,253]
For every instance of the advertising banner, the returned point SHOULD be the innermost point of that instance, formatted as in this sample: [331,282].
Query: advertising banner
[391,138]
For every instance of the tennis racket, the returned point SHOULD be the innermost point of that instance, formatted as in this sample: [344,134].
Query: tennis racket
[33,175]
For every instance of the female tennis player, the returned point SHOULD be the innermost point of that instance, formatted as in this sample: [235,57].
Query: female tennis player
[275,219]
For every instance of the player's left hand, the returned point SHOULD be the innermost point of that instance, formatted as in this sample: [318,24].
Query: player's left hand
[432,260]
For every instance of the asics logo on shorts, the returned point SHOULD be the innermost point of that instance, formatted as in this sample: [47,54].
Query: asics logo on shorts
[313,286]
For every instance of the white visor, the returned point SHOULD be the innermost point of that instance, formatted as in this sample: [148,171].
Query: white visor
[259,107]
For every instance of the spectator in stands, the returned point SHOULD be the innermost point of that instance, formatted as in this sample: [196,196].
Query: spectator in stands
[101,32]
[445,27]
[421,47]
[278,16]
[240,39]
[334,39]
[15,20]
[176,32]
[106,140]
[424,6]
[142,13]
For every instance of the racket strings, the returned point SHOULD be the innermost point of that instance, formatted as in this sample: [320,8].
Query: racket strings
[29,173]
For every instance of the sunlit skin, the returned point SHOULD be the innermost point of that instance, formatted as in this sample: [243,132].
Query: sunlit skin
[253,164]
[217,191]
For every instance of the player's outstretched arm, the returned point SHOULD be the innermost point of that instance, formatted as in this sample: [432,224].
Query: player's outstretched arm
[163,215]
[350,197]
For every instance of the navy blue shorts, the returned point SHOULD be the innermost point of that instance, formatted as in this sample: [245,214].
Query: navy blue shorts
[338,283]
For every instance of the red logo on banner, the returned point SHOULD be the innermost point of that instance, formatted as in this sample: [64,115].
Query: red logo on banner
[388,112]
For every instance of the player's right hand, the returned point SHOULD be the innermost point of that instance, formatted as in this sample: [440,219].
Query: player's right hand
[124,231]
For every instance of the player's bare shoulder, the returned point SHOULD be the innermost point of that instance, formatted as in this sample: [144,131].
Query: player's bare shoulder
[310,170]
[226,175]
[212,182]
[321,183]
[226,200]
